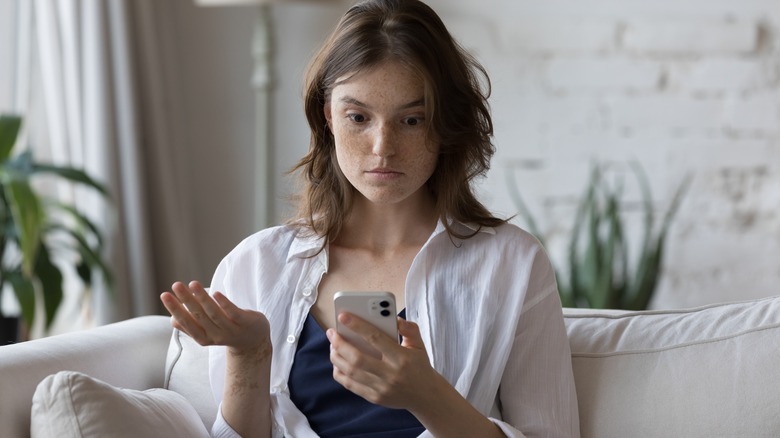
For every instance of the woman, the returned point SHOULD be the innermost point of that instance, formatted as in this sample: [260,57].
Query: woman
[400,128]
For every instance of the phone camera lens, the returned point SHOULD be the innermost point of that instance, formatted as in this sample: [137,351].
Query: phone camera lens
[384,303]
[385,312]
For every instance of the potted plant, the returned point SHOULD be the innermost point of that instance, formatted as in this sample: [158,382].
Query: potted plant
[599,272]
[35,228]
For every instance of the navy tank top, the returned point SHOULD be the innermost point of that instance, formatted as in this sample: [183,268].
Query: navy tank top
[332,410]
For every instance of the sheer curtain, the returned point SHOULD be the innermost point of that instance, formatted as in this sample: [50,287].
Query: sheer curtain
[106,75]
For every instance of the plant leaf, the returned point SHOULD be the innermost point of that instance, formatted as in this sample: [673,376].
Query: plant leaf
[647,278]
[20,166]
[51,284]
[9,130]
[90,256]
[71,174]
[82,220]
[25,294]
[578,290]
[649,223]
[85,271]
[613,253]
[29,218]
[592,258]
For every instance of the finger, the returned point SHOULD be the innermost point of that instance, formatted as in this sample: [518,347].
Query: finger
[361,389]
[199,325]
[351,363]
[173,305]
[181,318]
[228,307]
[374,336]
[349,357]
[376,388]
[206,302]
[411,334]
[169,302]
[187,297]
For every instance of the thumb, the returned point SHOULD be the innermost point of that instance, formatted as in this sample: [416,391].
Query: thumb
[411,334]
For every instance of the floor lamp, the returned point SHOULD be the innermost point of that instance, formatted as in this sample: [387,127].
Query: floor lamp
[262,83]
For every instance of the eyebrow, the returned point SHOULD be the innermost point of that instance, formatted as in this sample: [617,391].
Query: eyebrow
[352,101]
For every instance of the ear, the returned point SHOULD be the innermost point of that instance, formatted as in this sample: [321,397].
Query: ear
[328,114]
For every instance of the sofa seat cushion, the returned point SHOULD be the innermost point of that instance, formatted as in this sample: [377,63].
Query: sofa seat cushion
[710,371]
[71,404]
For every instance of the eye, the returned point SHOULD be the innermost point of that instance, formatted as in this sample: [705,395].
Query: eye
[413,121]
[357,118]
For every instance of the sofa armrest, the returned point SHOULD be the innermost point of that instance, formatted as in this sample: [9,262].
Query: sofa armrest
[129,354]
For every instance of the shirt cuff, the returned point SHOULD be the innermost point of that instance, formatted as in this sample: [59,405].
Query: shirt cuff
[508,430]
[221,428]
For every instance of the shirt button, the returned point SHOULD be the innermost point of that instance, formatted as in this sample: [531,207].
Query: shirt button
[275,390]
[290,339]
[306,292]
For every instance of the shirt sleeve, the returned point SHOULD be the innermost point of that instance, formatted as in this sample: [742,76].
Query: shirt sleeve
[221,428]
[537,393]
[224,282]
[217,358]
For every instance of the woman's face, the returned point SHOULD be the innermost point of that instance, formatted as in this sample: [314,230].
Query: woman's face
[377,118]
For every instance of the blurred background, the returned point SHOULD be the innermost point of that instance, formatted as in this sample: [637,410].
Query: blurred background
[192,116]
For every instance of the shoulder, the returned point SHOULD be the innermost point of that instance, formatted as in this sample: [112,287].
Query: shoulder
[267,239]
[523,244]
[271,244]
[509,232]
[514,251]
[506,237]
[506,248]
[260,261]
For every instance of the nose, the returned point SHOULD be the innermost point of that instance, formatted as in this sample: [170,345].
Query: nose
[383,141]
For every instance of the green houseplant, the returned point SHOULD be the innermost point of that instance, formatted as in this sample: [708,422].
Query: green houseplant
[600,273]
[35,228]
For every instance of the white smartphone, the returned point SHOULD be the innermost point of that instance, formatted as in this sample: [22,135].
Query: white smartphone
[377,308]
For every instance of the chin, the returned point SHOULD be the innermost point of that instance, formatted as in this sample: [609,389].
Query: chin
[384,198]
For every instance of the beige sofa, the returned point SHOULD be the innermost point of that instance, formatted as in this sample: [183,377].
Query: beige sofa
[706,372]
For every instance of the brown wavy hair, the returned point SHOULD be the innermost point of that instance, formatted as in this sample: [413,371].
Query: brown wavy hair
[456,92]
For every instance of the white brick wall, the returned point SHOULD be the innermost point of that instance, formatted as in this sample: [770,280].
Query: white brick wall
[604,74]
[720,75]
[689,36]
[559,34]
[685,87]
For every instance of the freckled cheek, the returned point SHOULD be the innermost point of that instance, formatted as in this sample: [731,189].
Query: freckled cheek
[428,154]
[348,157]
[350,142]
[430,165]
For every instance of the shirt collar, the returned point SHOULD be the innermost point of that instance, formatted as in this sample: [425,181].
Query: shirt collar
[307,245]
[468,228]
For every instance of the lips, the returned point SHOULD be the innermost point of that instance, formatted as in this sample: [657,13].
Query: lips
[383,174]
[384,171]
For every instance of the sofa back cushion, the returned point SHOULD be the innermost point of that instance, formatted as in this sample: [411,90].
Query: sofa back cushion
[187,373]
[710,371]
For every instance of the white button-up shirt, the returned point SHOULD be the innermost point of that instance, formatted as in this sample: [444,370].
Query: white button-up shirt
[487,308]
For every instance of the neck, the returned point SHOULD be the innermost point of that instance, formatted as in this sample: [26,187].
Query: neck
[388,227]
